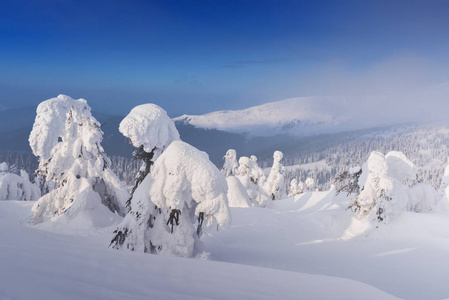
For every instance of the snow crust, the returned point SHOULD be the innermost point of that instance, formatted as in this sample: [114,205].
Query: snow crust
[148,125]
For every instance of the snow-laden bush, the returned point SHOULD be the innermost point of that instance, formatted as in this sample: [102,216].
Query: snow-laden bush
[310,184]
[255,172]
[293,188]
[66,138]
[4,168]
[275,184]
[230,166]
[14,187]
[383,193]
[183,193]
[150,131]
[256,194]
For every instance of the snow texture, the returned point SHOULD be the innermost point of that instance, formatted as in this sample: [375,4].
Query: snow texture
[237,195]
[148,125]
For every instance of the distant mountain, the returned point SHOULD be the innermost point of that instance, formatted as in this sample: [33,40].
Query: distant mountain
[302,116]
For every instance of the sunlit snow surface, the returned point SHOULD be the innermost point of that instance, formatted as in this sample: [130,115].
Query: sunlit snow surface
[307,247]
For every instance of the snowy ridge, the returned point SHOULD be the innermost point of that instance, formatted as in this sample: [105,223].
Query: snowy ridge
[302,116]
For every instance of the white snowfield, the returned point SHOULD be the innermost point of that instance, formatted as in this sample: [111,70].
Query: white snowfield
[302,115]
[40,264]
[305,247]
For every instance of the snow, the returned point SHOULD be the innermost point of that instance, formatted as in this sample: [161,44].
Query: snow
[237,195]
[45,265]
[14,187]
[148,125]
[302,115]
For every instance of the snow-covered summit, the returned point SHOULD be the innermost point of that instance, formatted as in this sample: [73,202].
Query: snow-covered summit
[302,116]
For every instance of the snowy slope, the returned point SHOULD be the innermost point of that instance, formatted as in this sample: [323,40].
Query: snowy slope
[40,264]
[314,233]
[301,116]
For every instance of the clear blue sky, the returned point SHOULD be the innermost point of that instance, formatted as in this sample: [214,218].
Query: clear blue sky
[200,56]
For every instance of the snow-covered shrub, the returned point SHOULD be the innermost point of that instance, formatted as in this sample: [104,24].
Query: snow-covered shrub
[422,197]
[14,187]
[348,181]
[66,138]
[230,166]
[189,193]
[310,184]
[383,193]
[255,172]
[255,193]
[293,188]
[150,131]
[4,168]
[275,184]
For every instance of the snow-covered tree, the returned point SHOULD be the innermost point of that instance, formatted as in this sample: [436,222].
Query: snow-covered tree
[237,194]
[275,184]
[150,131]
[4,168]
[310,184]
[293,188]
[189,192]
[255,193]
[230,166]
[14,187]
[382,192]
[66,138]
[255,172]
[348,181]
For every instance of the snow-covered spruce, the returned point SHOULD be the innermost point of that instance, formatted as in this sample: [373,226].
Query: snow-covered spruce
[275,184]
[14,187]
[188,191]
[293,189]
[256,194]
[384,188]
[309,184]
[150,131]
[230,166]
[66,138]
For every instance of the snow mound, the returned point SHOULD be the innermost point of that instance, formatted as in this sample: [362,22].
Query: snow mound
[148,125]
[237,195]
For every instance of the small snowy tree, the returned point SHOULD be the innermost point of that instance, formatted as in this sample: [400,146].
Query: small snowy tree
[255,193]
[190,193]
[66,138]
[4,168]
[348,181]
[275,184]
[230,166]
[14,187]
[293,188]
[382,193]
[255,172]
[310,184]
[151,131]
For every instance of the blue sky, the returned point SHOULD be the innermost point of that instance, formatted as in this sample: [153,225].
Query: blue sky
[201,56]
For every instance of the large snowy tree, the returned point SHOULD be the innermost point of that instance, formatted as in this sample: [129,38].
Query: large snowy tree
[383,193]
[189,193]
[150,131]
[67,140]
